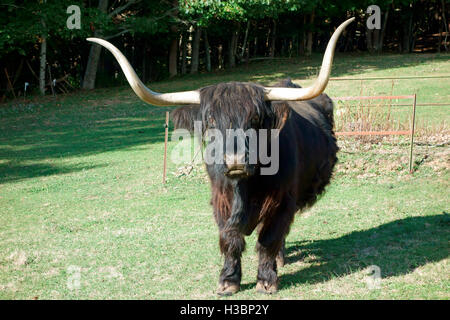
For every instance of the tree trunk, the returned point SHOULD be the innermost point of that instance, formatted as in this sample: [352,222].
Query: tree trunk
[220,56]
[444,18]
[173,51]
[244,45]
[232,47]
[439,30]
[231,57]
[42,62]
[184,43]
[407,32]
[405,38]
[383,31]
[369,40]
[207,52]
[309,41]
[376,39]
[173,55]
[94,54]
[294,49]
[302,39]
[236,42]
[195,50]
[273,39]
[285,45]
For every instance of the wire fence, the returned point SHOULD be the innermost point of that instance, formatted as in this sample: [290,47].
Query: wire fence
[409,132]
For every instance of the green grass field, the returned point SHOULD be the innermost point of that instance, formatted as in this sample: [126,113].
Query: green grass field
[81,199]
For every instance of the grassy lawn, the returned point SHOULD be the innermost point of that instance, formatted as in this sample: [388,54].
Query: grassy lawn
[81,193]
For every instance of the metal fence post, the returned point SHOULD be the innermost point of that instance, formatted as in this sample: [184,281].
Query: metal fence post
[412,135]
[166,126]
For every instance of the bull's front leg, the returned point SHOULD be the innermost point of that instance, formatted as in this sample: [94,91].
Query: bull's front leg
[232,242]
[270,245]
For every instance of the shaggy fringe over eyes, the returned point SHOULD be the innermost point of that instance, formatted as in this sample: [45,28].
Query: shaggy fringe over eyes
[240,102]
[233,103]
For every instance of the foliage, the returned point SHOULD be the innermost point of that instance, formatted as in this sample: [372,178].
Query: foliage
[149,26]
[24,22]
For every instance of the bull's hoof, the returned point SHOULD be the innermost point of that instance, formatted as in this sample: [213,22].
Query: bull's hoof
[266,288]
[227,288]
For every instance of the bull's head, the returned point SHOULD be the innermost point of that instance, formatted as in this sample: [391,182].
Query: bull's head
[233,106]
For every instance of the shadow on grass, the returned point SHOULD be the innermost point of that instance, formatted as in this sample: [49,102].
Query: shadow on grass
[396,247]
[32,144]
[15,172]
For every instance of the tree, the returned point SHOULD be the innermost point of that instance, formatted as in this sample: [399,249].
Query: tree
[94,53]
[207,51]
[107,22]
[133,16]
[195,50]
[173,51]
[34,39]
[35,22]
[43,57]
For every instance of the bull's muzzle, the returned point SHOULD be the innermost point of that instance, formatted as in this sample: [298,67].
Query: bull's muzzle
[235,165]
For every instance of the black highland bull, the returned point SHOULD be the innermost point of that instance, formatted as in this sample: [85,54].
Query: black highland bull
[243,199]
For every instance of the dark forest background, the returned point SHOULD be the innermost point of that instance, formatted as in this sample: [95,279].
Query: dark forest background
[165,39]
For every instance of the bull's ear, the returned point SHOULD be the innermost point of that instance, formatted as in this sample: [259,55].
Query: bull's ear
[281,113]
[185,116]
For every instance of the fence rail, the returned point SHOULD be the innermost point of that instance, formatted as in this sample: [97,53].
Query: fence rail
[443,76]
[373,133]
[372,98]
[385,133]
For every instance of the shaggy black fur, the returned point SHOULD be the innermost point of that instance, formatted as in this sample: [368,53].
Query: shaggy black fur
[267,202]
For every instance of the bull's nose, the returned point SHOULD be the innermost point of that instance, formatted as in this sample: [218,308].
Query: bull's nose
[235,161]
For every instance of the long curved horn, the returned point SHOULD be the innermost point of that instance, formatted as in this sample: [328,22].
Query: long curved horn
[293,94]
[149,96]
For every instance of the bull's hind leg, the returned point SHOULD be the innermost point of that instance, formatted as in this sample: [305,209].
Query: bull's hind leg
[280,259]
[271,243]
